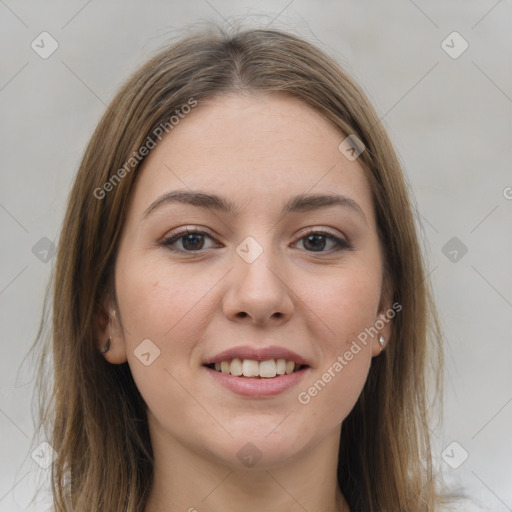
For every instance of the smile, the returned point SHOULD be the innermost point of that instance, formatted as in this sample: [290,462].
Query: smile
[256,369]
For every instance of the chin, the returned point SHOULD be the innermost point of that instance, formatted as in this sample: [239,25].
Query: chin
[257,444]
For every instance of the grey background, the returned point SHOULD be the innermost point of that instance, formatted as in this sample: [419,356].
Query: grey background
[450,120]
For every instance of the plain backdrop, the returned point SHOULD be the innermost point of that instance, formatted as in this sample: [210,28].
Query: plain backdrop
[448,111]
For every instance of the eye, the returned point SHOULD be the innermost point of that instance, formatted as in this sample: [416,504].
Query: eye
[192,240]
[188,240]
[322,241]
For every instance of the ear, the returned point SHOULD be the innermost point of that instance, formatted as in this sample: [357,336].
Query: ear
[384,326]
[108,327]
[384,319]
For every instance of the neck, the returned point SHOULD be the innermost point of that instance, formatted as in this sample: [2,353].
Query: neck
[185,480]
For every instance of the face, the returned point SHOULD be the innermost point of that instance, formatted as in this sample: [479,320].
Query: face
[250,247]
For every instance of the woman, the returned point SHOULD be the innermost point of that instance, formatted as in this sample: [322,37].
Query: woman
[241,318]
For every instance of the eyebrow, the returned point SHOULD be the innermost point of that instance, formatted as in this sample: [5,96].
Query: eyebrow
[300,203]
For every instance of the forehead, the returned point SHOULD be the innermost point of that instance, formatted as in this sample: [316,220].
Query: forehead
[254,149]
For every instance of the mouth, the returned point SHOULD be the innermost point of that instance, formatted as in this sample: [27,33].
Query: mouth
[257,372]
[250,368]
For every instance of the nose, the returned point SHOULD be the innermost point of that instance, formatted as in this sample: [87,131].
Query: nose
[258,293]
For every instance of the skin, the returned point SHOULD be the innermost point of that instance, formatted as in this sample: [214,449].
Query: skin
[257,151]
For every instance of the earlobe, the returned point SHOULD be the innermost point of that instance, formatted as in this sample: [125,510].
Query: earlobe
[114,351]
[107,345]
[379,345]
[110,340]
[384,326]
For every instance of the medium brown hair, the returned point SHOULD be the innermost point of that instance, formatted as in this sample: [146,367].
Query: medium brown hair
[95,414]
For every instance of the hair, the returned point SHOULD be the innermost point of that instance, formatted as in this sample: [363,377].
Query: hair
[93,413]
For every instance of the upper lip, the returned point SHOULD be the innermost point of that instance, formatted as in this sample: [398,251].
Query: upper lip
[256,354]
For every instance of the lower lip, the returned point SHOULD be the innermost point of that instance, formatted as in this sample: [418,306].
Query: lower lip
[258,387]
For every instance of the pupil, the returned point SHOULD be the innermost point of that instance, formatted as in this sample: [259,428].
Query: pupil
[315,242]
[193,241]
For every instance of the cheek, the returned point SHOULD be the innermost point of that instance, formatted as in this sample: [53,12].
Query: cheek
[159,299]
[170,307]
[346,305]
[332,393]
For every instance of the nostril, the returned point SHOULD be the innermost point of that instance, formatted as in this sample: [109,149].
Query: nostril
[242,314]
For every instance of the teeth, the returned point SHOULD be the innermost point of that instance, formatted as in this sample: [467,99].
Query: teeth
[268,369]
[251,368]
[281,366]
[236,367]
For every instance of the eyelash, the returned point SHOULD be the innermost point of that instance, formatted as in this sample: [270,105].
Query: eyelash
[167,242]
